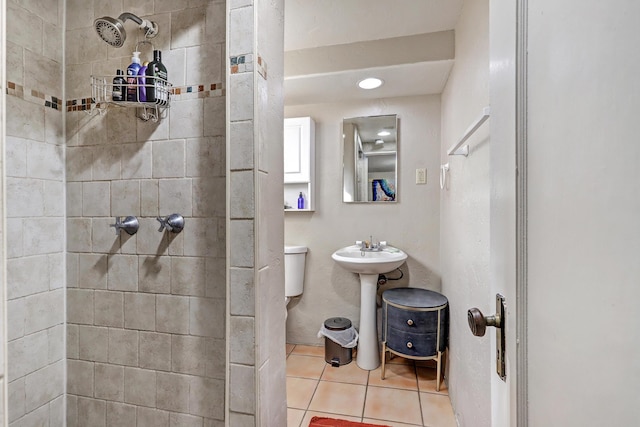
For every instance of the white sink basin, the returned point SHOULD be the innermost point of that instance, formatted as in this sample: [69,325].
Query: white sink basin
[368,265]
[377,262]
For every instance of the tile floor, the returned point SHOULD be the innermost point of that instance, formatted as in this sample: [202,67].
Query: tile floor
[406,397]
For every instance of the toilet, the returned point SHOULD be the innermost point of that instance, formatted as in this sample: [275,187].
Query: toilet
[294,259]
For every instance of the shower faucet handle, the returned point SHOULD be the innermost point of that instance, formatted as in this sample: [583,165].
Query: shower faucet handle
[174,223]
[129,225]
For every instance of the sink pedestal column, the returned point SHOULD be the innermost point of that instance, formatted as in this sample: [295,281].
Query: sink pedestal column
[368,356]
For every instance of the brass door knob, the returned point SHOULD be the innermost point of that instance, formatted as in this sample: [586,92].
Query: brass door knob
[478,322]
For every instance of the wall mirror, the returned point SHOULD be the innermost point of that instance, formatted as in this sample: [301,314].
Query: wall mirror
[370,159]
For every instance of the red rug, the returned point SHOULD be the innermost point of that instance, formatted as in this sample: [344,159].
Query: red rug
[332,422]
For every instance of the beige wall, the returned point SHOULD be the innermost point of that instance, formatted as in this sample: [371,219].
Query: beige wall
[411,224]
[34,150]
[146,313]
[464,215]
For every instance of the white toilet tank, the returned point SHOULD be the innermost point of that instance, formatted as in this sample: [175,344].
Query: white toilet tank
[294,258]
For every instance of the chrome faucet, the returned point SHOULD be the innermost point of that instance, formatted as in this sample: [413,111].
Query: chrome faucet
[370,245]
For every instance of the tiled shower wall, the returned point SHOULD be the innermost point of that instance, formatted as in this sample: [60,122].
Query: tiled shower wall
[146,313]
[35,213]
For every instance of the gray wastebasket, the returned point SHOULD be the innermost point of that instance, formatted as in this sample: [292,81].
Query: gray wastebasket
[334,353]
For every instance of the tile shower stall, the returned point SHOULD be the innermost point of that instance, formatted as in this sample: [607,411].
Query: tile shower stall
[157,328]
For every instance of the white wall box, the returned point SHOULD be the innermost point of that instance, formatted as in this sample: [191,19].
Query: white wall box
[299,163]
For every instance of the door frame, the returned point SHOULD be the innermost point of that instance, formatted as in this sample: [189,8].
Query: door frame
[522,391]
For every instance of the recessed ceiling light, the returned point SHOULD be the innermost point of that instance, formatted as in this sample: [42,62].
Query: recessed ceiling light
[370,83]
[384,133]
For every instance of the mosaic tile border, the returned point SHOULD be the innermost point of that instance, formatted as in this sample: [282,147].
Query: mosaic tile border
[35,96]
[244,63]
[178,93]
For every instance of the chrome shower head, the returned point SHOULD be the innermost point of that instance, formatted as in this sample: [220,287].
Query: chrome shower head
[112,31]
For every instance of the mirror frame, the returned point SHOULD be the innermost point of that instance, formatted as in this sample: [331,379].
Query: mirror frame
[352,155]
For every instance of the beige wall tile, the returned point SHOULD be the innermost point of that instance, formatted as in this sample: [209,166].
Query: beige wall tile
[155,351]
[187,27]
[136,160]
[53,199]
[44,161]
[241,42]
[148,417]
[242,392]
[109,308]
[154,275]
[80,306]
[15,244]
[16,399]
[123,347]
[216,358]
[92,412]
[28,276]
[207,317]
[208,193]
[106,162]
[243,238]
[206,397]
[42,235]
[241,97]
[95,199]
[123,273]
[120,414]
[16,318]
[173,392]
[25,198]
[242,292]
[151,242]
[140,311]
[175,197]
[27,354]
[56,343]
[169,159]
[20,19]
[149,198]
[80,377]
[43,310]
[15,63]
[188,276]
[78,163]
[44,385]
[73,341]
[214,116]
[243,202]
[140,387]
[104,238]
[172,314]
[186,119]
[125,198]
[242,346]
[78,234]
[92,271]
[16,155]
[184,420]
[188,354]
[241,156]
[109,382]
[44,74]
[121,125]
[93,343]
[204,157]
[204,63]
[72,410]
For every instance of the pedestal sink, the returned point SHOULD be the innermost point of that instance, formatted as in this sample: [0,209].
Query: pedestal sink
[368,264]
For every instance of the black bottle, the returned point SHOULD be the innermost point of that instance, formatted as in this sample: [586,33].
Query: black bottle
[157,88]
[119,89]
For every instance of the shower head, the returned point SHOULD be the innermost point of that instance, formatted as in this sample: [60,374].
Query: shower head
[112,31]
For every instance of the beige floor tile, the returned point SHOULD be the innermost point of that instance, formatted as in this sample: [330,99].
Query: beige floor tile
[300,391]
[350,373]
[396,376]
[289,348]
[308,350]
[305,366]
[437,410]
[338,398]
[393,404]
[427,381]
[388,423]
[310,414]
[294,417]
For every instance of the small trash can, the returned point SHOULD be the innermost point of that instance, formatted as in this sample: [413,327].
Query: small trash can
[335,353]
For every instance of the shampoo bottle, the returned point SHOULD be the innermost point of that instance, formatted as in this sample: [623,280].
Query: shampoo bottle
[157,90]
[300,201]
[142,80]
[118,92]
[132,77]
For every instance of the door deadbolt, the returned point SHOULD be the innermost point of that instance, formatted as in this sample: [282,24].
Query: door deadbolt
[478,322]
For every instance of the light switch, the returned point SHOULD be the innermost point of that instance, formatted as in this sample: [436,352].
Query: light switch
[421,176]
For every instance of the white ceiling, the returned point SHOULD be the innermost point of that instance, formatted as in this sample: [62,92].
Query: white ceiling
[332,44]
